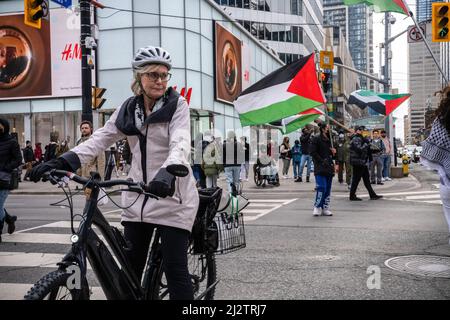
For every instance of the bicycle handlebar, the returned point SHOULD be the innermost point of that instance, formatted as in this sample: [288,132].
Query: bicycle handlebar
[139,187]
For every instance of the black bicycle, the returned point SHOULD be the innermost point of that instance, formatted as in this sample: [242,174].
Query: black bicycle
[110,264]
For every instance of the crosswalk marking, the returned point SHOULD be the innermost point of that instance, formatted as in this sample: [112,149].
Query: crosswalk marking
[256,209]
[431,197]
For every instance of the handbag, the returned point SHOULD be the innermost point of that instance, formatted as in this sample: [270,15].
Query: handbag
[5,180]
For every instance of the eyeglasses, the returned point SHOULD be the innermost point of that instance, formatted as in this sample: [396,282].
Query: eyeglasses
[154,76]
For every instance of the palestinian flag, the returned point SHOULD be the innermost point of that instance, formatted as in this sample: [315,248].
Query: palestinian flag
[285,92]
[383,103]
[383,5]
[297,122]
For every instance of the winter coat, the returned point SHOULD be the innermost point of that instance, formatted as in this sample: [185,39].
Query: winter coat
[10,155]
[322,156]
[360,153]
[296,152]
[156,141]
[233,153]
[305,141]
[50,151]
[340,150]
[28,155]
[212,160]
[38,153]
[285,152]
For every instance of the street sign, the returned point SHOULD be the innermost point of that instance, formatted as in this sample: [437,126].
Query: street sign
[327,60]
[414,34]
[65,3]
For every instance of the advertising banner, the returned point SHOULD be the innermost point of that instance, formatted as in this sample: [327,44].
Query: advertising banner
[40,63]
[228,58]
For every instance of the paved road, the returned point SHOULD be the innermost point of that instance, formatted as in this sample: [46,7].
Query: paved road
[289,255]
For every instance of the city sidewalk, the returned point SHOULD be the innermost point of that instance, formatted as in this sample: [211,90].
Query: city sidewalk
[286,185]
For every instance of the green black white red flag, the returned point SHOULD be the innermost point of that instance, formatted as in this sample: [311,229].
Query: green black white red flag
[298,121]
[292,89]
[382,103]
[382,5]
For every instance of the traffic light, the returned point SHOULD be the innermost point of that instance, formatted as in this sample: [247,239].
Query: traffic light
[97,100]
[325,79]
[33,12]
[440,22]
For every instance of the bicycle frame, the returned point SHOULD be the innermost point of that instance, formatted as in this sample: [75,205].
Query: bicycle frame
[117,283]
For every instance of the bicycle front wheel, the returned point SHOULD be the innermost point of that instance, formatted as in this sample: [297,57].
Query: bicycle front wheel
[202,271]
[53,286]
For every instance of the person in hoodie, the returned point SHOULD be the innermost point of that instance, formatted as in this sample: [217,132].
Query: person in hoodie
[156,122]
[296,153]
[10,158]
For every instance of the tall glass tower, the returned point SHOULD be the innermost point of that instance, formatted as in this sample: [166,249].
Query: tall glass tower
[424,9]
[356,23]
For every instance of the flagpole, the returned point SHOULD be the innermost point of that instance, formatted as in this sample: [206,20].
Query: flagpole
[425,41]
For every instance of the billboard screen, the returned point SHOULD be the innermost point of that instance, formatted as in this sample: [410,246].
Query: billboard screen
[228,57]
[40,63]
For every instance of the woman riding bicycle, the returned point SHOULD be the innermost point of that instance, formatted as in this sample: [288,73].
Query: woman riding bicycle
[156,122]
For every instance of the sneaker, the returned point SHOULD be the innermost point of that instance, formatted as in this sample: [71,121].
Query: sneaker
[307,179]
[300,179]
[327,212]
[387,179]
[355,198]
[372,182]
[380,183]
[383,179]
[376,197]
[317,212]
[349,186]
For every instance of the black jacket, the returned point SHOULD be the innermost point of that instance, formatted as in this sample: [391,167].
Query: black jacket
[360,152]
[10,155]
[305,141]
[235,156]
[320,150]
[28,154]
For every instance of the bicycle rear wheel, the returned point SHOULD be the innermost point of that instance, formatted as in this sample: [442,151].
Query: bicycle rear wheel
[202,269]
[53,286]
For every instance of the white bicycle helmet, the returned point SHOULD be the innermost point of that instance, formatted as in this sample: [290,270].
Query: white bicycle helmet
[150,55]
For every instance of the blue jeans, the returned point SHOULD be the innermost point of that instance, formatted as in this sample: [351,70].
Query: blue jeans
[306,158]
[232,174]
[3,196]
[386,161]
[296,166]
[323,193]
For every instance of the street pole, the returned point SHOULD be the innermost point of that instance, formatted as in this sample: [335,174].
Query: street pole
[86,74]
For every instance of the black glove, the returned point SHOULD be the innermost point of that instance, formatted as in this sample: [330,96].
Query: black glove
[163,184]
[38,171]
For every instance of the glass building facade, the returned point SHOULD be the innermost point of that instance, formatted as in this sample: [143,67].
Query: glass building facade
[182,27]
[356,23]
[423,9]
[292,28]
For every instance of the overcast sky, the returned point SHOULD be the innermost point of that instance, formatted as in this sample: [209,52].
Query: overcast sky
[400,59]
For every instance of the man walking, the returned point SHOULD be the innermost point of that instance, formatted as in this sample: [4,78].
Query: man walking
[28,158]
[305,141]
[386,156]
[98,164]
[377,149]
[360,154]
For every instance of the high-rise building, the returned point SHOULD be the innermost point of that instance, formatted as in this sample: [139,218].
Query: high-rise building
[424,80]
[292,28]
[423,9]
[356,23]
